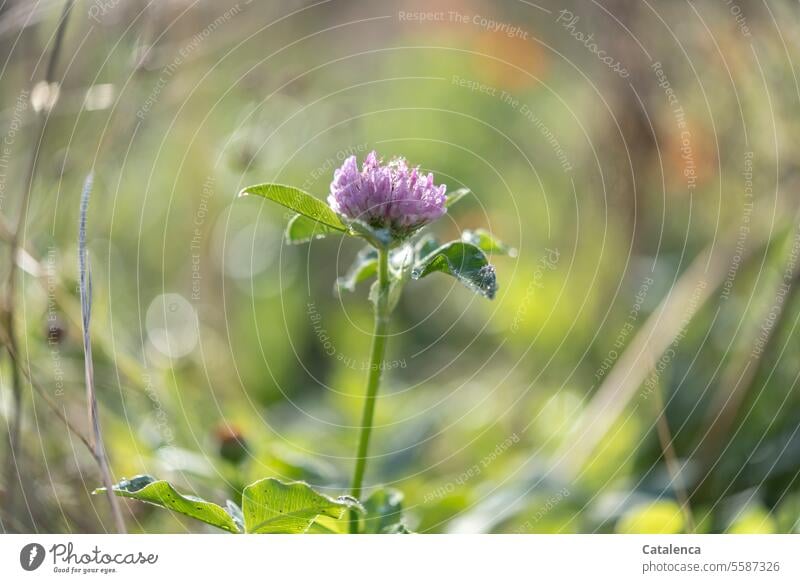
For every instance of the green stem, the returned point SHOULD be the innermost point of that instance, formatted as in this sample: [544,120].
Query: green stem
[373,378]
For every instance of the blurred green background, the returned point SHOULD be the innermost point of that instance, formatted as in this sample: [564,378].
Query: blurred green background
[641,355]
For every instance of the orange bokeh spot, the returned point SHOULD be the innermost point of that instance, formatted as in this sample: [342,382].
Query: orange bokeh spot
[501,58]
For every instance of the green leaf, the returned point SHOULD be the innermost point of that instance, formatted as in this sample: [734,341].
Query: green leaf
[272,506]
[236,513]
[455,196]
[364,267]
[377,237]
[487,243]
[384,512]
[464,261]
[302,229]
[135,483]
[298,201]
[163,494]
[401,259]
[328,525]
[425,246]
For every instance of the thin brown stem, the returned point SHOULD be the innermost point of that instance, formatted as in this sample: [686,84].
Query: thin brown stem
[745,371]
[694,287]
[85,279]
[665,440]
[15,422]
[51,403]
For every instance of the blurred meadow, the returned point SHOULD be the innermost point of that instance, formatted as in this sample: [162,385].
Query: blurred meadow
[637,371]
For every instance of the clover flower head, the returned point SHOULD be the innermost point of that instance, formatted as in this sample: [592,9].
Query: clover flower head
[389,196]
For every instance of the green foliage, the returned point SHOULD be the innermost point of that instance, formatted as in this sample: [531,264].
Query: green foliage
[298,201]
[455,196]
[464,261]
[236,513]
[302,229]
[425,245]
[487,242]
[384,512]
[272,506]
[560,328]
[364,267]
[163,494]
[269,506]
[375,237]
